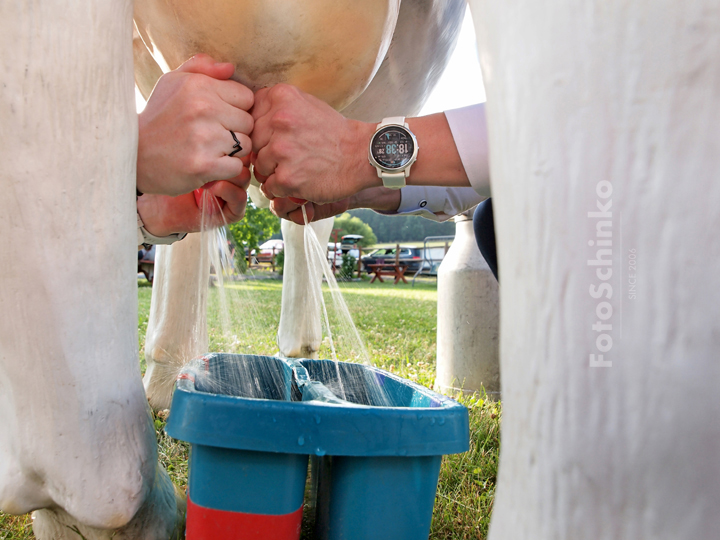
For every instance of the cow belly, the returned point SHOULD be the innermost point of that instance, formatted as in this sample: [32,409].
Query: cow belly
[329,48]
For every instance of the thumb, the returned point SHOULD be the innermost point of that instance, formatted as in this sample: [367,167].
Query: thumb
[205,65]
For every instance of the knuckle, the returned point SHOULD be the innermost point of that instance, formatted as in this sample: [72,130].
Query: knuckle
[199,165]
[247,96]
[198,107]
[282,120]
[250,123]
[191,82]
[282,92]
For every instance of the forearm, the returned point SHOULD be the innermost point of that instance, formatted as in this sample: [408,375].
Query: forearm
[377,198]
[438,162]
[307,150]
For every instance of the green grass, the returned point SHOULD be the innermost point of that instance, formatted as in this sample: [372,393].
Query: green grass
[398,325]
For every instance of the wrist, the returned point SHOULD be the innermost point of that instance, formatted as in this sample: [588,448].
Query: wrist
[364,175]
[378,198]
[149,210]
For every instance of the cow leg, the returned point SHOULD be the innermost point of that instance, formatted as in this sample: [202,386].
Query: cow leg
[300,328]
[76,432]
[604,126]
[177,327]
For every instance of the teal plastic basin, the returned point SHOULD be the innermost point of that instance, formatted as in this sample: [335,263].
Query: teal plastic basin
[252,422]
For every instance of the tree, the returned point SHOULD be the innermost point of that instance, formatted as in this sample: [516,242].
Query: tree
[354,225]
[402,228]
[258,225]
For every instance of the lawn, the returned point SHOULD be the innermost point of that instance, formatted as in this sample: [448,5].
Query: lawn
[398,326]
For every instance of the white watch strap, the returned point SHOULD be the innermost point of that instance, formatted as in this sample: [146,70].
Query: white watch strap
[393,180]
[144,237]
[399,120]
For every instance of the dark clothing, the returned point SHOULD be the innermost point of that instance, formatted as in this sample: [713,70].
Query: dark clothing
[485,234]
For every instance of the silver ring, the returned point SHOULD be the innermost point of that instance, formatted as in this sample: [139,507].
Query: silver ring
[237,148]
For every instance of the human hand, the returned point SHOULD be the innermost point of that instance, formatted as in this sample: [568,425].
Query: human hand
[304,148]
[290,210]
[184,138]
[378,198]
[226,200]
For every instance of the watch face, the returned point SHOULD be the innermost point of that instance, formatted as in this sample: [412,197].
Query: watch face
[392,147]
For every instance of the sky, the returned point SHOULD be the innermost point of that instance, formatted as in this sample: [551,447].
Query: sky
[460,84]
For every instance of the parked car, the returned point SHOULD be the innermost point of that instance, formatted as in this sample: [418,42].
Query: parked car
[409,256]
[350,241]
[336,252]
[268,250]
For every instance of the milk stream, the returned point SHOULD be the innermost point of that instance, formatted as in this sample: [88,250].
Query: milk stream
[238,380]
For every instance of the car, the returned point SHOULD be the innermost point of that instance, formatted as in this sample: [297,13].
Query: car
[409,256]
[350,241]
[268,250]
[336,251]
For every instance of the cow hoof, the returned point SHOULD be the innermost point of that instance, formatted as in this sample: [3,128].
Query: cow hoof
[159,383]
[162,517]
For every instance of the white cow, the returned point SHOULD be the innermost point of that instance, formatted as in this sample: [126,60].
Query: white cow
[604,122]
[76,440]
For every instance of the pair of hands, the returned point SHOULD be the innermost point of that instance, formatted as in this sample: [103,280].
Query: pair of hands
[301,148]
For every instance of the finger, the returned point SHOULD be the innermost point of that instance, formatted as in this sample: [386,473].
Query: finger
[281,207]
[296,216]
[265,163]
[262,132]
[263,103]
[259,177]
[235,199]
[206,65]
[264,191]
[242,181]
[237,120]
[323,211]
[234,93]
[224,168]
[226,144]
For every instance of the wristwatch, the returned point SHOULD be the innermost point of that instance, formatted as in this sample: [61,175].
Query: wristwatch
[393,149]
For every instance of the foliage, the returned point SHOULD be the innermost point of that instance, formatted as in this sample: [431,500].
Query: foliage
[403,228]
[258,225]
[241,262]
[348,266]
[353,225]
[280,262]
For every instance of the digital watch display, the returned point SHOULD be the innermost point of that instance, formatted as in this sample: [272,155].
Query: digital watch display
[393,149]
